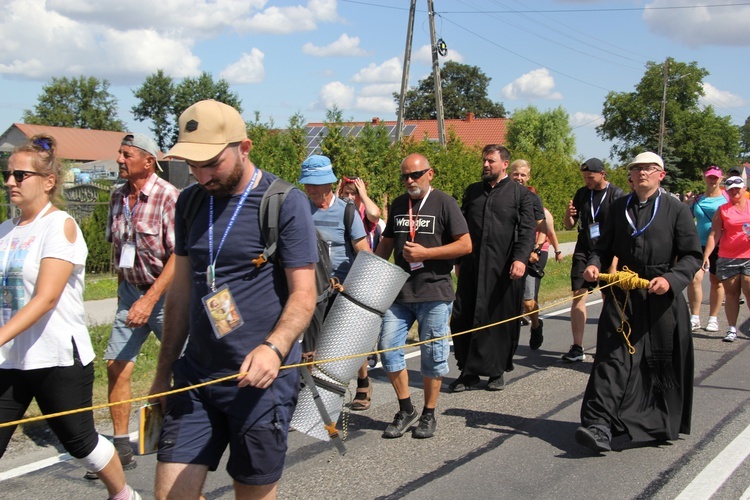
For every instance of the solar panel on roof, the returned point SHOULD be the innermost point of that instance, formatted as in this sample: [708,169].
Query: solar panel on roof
[409,129]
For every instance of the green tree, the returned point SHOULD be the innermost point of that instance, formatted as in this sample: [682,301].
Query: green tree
[155,104]
[697,137]
[464,89]
[547,131]
[745,140]
[83,102]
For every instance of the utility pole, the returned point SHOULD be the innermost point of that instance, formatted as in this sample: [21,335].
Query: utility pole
[405,74]
[436,73]
[662,127]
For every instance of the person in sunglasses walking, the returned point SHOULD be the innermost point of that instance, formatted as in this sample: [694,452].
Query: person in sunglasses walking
[45,348]
[731,226]
[427,232]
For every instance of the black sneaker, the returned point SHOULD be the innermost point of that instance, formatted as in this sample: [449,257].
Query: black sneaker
[463,383]
[593,438]
[426,427]
[537,337]
[496,383]
[575,354]
[401,422]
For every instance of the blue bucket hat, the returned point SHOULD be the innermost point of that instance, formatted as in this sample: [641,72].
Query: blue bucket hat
[317,170]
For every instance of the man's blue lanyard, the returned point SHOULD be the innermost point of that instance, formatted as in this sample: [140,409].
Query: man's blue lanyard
[129,216]
[594,214]
[637,232]
[211,270]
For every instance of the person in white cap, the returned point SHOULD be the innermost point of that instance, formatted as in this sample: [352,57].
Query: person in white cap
[140,227]
[271,306]
[731,226]
[641,382]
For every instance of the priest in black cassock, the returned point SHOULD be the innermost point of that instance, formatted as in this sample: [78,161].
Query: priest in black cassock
[501,222]
[644,392]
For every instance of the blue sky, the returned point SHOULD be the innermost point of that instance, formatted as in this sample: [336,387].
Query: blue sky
[303,56]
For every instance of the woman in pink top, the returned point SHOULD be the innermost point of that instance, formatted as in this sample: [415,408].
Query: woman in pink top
[731,226]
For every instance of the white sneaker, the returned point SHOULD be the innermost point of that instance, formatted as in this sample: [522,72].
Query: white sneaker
[695,324]
[712,326]
[731,336]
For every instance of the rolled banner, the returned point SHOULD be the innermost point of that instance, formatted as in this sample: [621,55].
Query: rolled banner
[351,327]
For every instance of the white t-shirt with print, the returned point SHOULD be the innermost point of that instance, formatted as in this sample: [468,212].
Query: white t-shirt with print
[49,342]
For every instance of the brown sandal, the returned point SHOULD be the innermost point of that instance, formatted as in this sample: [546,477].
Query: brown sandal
[362,403]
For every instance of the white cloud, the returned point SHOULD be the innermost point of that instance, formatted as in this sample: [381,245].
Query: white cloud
[700,25]
[334,94]
[720,98]
[284,20]
[249,69]
[588,120]
[345,46]
[424,55]
[36,43]
[381,89]
[388,72]
[375,104]
[536,84]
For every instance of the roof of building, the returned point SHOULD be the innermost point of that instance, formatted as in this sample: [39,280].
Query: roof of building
[76,144]
[471,130]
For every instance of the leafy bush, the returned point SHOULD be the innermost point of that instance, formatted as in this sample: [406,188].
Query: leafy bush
[94,229]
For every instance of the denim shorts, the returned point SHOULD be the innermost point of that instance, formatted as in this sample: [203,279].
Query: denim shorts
[124,342]
[433,319]
[729,268]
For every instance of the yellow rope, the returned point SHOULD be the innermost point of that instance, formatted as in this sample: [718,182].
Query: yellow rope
[297,365]
[627,280]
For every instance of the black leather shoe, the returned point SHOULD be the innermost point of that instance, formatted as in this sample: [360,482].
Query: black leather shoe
[426,427]
[593,438]
[496,383]
[401,422]
[463,383]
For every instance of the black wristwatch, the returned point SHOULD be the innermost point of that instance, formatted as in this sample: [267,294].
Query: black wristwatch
[538,250]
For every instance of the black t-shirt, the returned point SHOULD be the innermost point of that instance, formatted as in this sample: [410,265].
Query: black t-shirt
[602,199]
[538,207]
[439,221]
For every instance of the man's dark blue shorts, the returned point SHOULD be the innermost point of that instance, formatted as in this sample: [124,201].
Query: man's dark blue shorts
[200,423]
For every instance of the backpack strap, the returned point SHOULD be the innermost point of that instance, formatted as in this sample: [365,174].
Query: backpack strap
[270,207]
[349,211]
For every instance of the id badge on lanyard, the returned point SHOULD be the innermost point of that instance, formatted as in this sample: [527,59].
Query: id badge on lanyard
[127,256]
[222,312]
[594,230]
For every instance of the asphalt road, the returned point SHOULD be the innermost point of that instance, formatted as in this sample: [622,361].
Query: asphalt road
[517,443]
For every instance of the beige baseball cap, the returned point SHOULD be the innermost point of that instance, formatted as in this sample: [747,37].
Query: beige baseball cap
[206,128]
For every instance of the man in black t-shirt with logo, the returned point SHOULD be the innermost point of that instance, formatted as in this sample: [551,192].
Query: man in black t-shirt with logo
[588,208]
[427,231]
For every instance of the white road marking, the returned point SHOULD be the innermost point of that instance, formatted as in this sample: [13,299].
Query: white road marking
[719,469]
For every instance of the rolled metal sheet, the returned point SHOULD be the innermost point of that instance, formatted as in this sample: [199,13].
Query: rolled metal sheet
[351,327]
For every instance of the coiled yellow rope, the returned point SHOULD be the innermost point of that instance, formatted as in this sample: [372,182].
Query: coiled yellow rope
[626,280]
[611,281]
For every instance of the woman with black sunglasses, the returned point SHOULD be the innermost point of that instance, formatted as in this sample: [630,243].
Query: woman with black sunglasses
[731,227]
[45,349]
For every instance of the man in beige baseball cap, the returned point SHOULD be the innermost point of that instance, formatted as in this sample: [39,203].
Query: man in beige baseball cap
[271,306]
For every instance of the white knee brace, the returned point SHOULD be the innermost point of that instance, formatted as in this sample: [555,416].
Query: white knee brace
[100,457]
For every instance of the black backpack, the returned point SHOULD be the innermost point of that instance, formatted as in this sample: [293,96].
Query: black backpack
[270,207]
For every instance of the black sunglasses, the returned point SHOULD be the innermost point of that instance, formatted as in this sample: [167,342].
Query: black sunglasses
[414,175]
[18,175]
[732,182]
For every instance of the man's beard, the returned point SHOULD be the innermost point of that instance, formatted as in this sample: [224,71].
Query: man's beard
[414,192]
[491,176]
[225,188]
